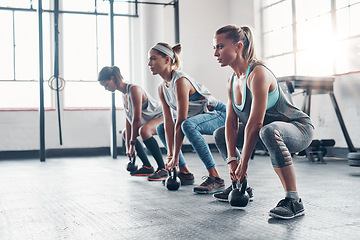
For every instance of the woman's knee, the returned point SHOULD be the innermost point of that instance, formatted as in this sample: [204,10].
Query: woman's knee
[123,133]
[187,126]
[143,132]
[160,129]
[268,133]
[219,136]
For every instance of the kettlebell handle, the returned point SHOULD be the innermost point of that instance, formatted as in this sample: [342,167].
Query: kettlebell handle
[174,173]
[234,185]
[133,158]
[243,185]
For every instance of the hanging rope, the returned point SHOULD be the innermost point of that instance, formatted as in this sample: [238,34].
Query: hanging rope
[56,67]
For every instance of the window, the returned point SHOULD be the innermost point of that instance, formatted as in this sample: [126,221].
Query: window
[348,34]
[87,49]
[327,36]
[84,47]
[278,36]
[19,55]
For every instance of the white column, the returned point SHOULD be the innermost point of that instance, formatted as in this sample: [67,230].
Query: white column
[147,30]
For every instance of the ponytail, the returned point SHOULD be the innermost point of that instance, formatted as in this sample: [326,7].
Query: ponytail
[176,62]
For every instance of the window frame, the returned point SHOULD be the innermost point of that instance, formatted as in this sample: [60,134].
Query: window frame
[296,50]
[51,105]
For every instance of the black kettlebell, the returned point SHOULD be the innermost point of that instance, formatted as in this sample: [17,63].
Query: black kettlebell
[173,183]
[131,167]
[239,197]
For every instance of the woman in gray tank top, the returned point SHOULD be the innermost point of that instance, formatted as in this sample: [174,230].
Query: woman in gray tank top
[258,115]
[196,112]
[143,114]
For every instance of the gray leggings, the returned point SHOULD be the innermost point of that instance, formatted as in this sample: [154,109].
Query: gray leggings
[280,139]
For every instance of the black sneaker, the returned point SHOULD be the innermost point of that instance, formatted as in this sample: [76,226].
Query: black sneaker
[186,178]
[210,185]
[159,175]
[288,208]
[143,171]
[223,196]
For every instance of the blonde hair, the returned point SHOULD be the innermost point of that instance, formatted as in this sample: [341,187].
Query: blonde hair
[176,62]
[240,34]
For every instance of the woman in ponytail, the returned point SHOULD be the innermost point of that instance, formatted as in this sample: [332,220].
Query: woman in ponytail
[258,116]
[143,114]
[197,113]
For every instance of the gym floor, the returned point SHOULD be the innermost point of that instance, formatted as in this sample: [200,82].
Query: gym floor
[96,198]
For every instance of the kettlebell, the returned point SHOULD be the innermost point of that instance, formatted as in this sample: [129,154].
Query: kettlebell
[238,197]
[131,167]
[173,183]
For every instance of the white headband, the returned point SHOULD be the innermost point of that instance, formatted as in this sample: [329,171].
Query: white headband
[164,50]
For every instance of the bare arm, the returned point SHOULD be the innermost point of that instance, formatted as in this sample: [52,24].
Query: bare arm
[231,125]
[168,123]
[127,136]
[259,85]
[231,132]
[182,88]
[136,96]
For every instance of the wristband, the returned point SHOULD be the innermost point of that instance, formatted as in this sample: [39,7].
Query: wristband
[132,143]
[230,159]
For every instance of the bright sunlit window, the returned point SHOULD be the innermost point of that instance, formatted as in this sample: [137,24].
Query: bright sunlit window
[327,37]
[19,56]
[84,48]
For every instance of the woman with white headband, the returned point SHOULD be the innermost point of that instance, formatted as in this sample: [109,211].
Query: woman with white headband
[197,112]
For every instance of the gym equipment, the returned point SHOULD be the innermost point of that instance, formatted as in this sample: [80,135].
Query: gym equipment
[173,183]
[239,197]
[315,85]
[131,167]
[354,159]
[317,148]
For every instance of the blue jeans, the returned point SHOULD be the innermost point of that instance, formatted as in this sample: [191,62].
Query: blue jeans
[196,126]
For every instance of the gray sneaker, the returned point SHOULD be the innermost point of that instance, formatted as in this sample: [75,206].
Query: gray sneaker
[210,185]
[159,175]
[223,196]
[186,179]
[288,208]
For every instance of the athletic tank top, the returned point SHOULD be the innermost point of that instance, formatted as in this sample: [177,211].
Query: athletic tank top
[196,106]
[281,110]
[150,109]
[273,96]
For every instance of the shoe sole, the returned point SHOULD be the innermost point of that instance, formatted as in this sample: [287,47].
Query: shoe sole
[206,192]
[283,217]
[226,200]
[182,184]
[141,175]
[158,179]
[220,199]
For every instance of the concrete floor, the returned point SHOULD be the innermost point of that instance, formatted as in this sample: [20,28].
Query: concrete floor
[96,198]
